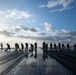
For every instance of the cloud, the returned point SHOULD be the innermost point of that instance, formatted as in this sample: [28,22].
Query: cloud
[20,27]
[41,33]
[6,33]
[4,26]
[64,3]
[48,26]
[54,36]
[33,20]
[63,35]
[16,14]
[64,31]
[33,29]
[59,4]
[49,34]
[61,9]
[1,12]
[37,37]
[24,31]
[41,6]
[72,33]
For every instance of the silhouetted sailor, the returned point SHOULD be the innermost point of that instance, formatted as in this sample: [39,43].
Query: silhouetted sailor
[55,47]
[22,46]
[44,48]
[16,46]
[74,47]
[26,46]
[35,45]
[51,46]
[32,48]
[8,47]
[35,49]
[59,46]
[1,46]
[68,47]
[26,49]
[62,47]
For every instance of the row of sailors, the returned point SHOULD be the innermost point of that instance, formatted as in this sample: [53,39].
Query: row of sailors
[45,46]
[60,47]
[17,48]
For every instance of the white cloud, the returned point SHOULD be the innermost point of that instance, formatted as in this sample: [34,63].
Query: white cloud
[51,4]
[48,26]
[41,6]
[1,12]
[65,4]
[4,27]
[17,14]
[64,31]
[54,3]
[33,20]
[61,9]
[6,33]
[24,28]
[51,34]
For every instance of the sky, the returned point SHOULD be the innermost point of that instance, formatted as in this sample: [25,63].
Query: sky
[52,21]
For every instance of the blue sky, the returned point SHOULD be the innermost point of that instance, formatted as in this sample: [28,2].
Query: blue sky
[50,20]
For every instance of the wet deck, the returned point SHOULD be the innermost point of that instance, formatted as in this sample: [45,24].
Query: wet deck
[32,66]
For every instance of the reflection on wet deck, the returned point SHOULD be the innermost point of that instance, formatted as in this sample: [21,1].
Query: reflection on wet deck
[32,66]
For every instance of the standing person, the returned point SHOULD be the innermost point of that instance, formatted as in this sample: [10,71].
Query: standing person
[32,48]
[46,50]
[16,46]
[74,47]
[55,47]
[22,47]
[1,46]
[8,47]
[59,46]
[26,46]
[26,49]
[35,49]
[68,47]
[63,47]
[51,46]
[44,47]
